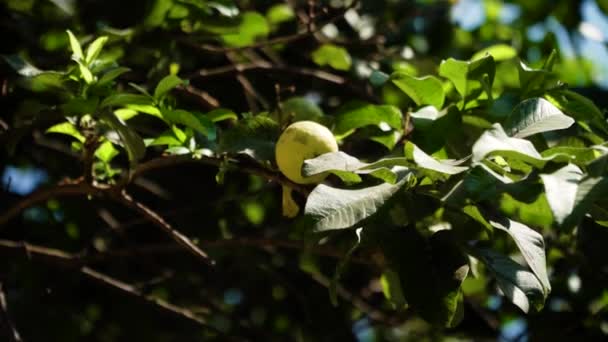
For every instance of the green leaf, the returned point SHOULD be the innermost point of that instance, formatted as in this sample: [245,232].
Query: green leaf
[532,247]
[561,187]
[221,114]
[79,106]
[335,56]
[431,271]
[252,26]
[280,13]
[85,72]
[300,109]
[200,124]
[252,136]
[496,142]
[578,106]
[166,138]
[467,76]
[131,141]
[67,128]
[391,287]
[356,115]
[124,99]
[576,155]
[333,208]
[427,162]
[94,49]
[110,75]
[426,90]
[516,282]
[167,84]
[106,152]
[75,46]
[534,116]
[500,52]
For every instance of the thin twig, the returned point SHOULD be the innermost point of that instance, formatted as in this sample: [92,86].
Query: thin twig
[203,97]
[5,319]
[169,161]
[63,259]
[288,70]
[61,190]
[132,291]
[156,219]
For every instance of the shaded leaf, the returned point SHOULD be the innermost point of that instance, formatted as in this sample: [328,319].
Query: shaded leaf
[516,282]
[124,99]
[132,142]
[431,271]
[532,247]
[254,136]
[112,74]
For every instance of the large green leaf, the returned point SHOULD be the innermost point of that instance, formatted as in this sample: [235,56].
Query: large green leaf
[469,77]
[427,90]
[431,271]
[516,282]
[496,142]
[533,116]
[532,247]
[561,187]
[333,208]
[357,114]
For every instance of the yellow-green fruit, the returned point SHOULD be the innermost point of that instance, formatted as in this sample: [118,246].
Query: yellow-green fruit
[300,141]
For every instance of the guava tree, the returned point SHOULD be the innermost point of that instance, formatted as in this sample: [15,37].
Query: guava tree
[238,170]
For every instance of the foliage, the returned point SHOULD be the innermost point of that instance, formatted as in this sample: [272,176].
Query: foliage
[460,180]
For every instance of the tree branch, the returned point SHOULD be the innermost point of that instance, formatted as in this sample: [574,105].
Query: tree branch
[5,319]
[156,219]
